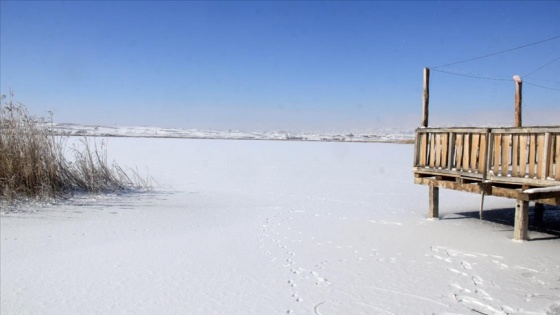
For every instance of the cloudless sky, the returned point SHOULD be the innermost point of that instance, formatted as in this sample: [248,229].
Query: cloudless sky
[279,65]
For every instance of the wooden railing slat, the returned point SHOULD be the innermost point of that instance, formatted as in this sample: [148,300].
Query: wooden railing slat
[505,155]
[432,150]
[423,149]
[452,151]
[438,150]
[474,152]
[497,153]
[466,151]
[482,154]
[532,154]
[444,145]
[522,156]
[557,158]
[540,156]
[459,148]
[515,155]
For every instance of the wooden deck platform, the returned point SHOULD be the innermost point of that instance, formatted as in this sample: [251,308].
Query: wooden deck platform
[519,163]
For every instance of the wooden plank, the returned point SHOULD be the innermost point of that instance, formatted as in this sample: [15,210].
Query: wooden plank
[515,155]
[444,146]
[532,154]
[472,188]
[540,156]
[482,154]
[521,224]
[551,151]
[432,149]
[459,150]
[455,130]
[489,154]
[446,172]
[522,181]
[522,155]
[438,150]
[504,163]
[546,154]
[557,158]
[474,151]
[452,151]
[423,149]
[466,151]
[497,153]
[553,129]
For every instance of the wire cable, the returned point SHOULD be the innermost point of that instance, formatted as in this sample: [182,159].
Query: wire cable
[528,74]
[471,75]
[497,53]
[540,86]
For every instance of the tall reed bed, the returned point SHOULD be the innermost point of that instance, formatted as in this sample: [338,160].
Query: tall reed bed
[33,163]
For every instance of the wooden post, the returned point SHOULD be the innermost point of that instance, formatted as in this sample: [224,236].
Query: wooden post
[518,98]
[521,224]
[433,211]
[426,97]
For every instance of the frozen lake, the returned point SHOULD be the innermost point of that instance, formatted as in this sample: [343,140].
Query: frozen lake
[272,227]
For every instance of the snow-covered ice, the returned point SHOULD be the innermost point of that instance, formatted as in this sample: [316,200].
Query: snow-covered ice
[272,227]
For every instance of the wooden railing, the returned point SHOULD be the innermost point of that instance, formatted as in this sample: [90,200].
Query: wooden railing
[527,156]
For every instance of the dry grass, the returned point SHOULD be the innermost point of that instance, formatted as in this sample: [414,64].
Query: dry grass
[33,163]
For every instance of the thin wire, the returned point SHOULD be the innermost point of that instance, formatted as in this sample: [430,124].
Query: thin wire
[471,75]
[528,74]
[540,86]
[497,53]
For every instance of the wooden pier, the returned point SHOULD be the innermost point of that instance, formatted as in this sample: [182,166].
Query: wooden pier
[521,163]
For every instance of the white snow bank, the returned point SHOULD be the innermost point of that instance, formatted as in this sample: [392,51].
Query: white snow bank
[260,227]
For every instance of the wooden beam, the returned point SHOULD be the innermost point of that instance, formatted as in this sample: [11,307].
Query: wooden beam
[521,224]
[426,97]
[518,98]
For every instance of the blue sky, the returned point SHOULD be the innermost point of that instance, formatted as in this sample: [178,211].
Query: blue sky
[278,65]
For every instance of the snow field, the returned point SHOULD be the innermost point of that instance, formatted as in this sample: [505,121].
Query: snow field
[263,227]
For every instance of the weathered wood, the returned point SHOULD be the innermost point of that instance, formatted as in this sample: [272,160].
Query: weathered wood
[446,172]
[505,155]
[452,151]
[526,130]
[426,97]
[497,153]
[515,155]
[459,150]
[455,130]
[518,99]
[438,150]
[423,149]
[444,146]
[551,150]
[522,156]
[433,211]
[472,188]
[521,224]
[466,151]
[489,154]
[540,155]
[474,151]
[432,149]
[546,155]
[482,154]
[557,158]
[522,181]
[532,154]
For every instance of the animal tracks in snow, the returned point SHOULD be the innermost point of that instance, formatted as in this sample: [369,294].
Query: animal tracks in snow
[472,280]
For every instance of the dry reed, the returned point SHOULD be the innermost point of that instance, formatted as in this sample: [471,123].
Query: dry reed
[33,163]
